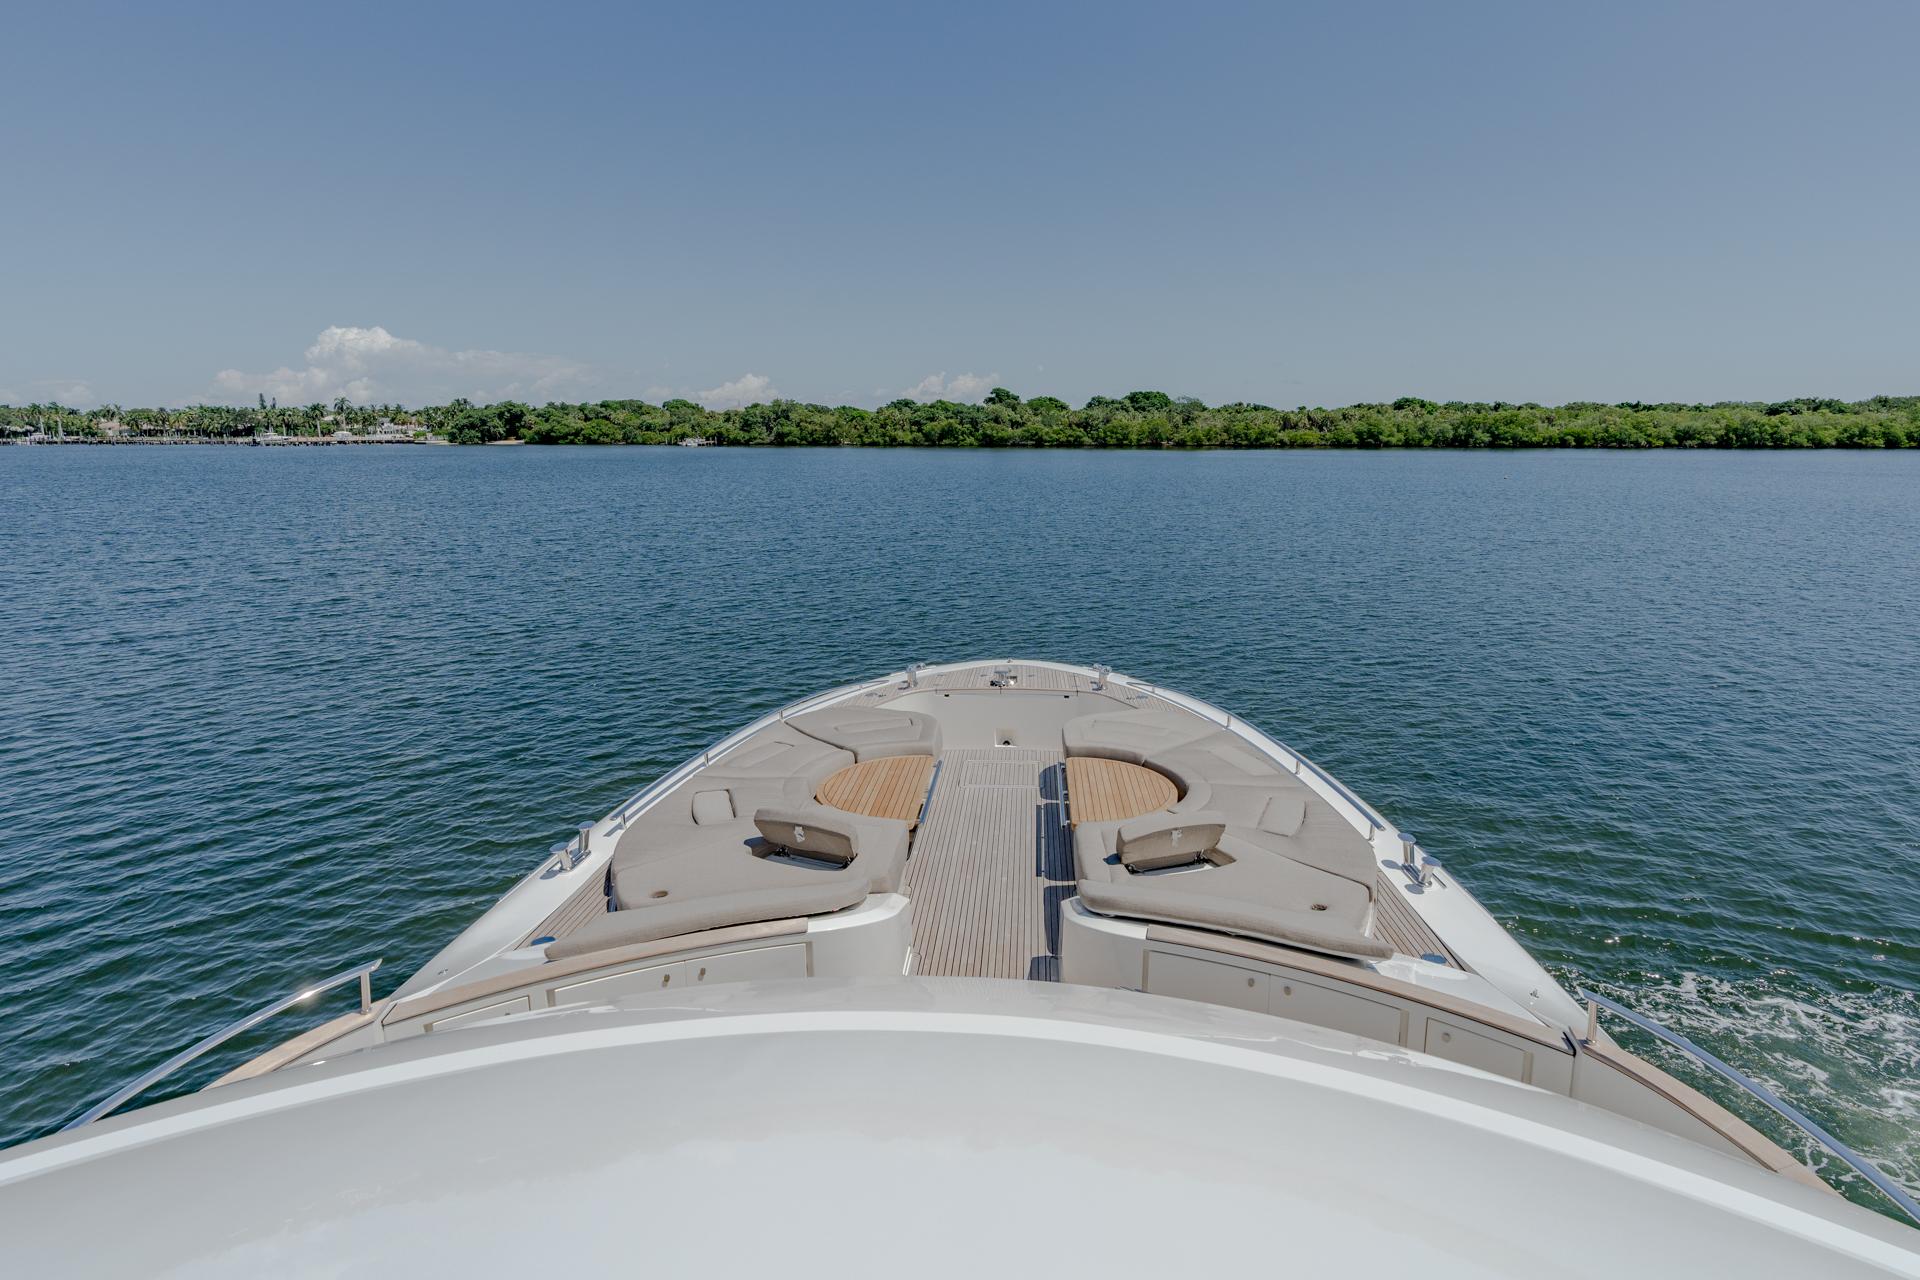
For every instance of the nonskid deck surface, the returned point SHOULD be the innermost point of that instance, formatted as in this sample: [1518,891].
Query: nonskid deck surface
[991,865]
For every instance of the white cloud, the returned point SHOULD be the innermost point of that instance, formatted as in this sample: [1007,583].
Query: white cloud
[370,365]
[70,393]
[748,388]
[962,387]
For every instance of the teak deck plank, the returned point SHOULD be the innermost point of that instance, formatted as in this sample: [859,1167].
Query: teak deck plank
[891,787]
[588,902]
[990,867]
[1397,924]
[1113,790]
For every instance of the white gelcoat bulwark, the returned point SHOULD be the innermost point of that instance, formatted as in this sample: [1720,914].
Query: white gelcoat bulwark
[978,1125]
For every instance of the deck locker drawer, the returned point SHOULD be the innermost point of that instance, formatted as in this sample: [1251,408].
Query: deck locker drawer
[659,977]
[1456,1043]
[1185,978]
[789,961]
[1341,1010]
[518,1004]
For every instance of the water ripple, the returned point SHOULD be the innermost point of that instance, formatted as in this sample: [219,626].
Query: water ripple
[267,712]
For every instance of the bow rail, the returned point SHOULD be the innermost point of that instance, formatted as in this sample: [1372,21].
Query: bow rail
[1792,1114]
[113,1101]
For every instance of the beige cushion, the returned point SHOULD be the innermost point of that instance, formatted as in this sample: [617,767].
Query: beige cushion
[624,928]
[778,765]
[1284,814]
[1157,840]
[1225,759]
[871,733]
[1132,735]
[732,858]
[1337,933]
[712,806]
[779,752]
[1093,853]
[1241,886]
[813,830]
[1239,804]
[1324,840]
[1265,805]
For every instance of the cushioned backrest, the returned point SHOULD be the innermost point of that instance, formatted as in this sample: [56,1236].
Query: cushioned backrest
[1131,735]
[714,806]
[1167,840]
[1284,813]
[871,733]
[812,830]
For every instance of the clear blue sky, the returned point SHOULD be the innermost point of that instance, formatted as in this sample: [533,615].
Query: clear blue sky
[1310,204]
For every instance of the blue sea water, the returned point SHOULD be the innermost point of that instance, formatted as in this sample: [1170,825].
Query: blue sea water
[265,713]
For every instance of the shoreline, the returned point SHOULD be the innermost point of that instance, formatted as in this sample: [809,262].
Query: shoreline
[1004,420]
[305,442]
[1319,447]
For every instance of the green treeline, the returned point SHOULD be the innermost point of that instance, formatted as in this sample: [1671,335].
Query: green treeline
[1152,419]
[209,421]
[1140,420]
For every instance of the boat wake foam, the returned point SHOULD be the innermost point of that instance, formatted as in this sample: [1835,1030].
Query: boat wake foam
[1849,1059]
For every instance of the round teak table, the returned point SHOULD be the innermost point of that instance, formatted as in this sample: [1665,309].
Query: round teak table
[890,787]
[1112,790]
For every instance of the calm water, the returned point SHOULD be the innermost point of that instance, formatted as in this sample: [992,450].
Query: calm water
[265,713]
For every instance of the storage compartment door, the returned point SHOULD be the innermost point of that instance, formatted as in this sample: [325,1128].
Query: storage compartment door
[1185,978]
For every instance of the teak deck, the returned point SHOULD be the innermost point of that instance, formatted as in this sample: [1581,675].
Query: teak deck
[1113,790]
[1399,926]
[990,867]
[891,787]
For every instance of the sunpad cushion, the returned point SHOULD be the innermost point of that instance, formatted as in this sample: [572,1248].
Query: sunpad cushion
[1131,734]
[625,928]
[871,733]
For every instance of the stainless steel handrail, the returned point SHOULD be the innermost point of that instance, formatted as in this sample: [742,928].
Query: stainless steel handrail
[113,1100]
[1885,1185]
[1365,810]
